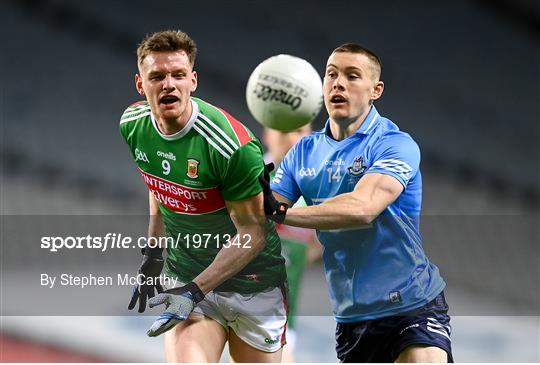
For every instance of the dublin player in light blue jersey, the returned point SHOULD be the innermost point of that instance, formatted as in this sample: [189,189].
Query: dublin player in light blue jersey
[361,180]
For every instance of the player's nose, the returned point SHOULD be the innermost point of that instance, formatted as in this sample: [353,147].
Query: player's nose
[168,84]
[338,83]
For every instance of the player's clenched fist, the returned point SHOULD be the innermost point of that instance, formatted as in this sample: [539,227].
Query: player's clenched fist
[273,209]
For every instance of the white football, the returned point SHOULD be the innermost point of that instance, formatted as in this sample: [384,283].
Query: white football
[284,92]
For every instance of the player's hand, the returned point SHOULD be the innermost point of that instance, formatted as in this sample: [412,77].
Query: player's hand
[150,268]
[274,209]
[179,303]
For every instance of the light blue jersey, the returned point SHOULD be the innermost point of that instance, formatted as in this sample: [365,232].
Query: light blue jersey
[380,270]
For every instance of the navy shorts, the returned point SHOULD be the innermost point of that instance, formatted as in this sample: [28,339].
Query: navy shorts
[383,339]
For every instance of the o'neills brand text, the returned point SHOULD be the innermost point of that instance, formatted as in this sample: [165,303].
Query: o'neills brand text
[167,155]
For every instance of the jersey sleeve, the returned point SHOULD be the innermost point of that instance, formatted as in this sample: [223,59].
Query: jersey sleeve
[122,126]
[396,155]
[241,177]
[131,114]
[283,182]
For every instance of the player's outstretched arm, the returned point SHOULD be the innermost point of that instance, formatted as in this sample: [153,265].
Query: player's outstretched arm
[250,222]
[371,195]
[248,217]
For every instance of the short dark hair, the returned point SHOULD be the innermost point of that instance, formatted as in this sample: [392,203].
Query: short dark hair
[167,41]
[357,48]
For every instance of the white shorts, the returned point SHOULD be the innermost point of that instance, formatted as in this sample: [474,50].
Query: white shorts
[258,319]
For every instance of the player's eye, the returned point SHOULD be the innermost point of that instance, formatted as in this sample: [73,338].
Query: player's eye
[331,74]
[354,76]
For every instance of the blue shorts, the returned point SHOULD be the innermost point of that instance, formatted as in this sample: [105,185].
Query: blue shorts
[383,339]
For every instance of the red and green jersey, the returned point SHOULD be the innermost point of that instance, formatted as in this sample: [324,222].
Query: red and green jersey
[191,173]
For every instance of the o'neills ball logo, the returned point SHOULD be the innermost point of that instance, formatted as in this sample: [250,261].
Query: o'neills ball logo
[192,168]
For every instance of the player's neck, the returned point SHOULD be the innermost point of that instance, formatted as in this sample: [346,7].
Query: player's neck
[346,128]
[168,126]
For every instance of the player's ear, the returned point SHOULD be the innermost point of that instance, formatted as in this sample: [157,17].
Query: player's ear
[138,84]
[377,90]
[194,81]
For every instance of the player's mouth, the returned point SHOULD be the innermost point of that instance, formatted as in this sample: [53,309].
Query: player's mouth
[168,99]
[338,100]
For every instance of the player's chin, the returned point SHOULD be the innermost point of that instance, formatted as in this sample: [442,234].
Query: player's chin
[339,114]
[170,113]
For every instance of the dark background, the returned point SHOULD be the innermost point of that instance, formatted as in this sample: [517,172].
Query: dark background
[462,77]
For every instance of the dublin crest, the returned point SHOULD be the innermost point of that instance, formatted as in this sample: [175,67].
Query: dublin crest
[357,167]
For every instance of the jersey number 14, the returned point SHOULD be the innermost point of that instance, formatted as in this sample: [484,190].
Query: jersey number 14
[333,175]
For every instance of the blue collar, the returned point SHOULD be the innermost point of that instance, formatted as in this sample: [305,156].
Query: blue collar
[367,126]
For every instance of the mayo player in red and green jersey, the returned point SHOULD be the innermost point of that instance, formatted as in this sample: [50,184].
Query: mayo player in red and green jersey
[201,167]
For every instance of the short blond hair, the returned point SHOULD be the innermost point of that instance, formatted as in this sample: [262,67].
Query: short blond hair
[167,41]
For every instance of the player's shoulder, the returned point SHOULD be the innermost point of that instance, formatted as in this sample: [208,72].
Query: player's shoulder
[134,112]
[388,130]
[223,131]
[389,133]
[217,121]
[310,141]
